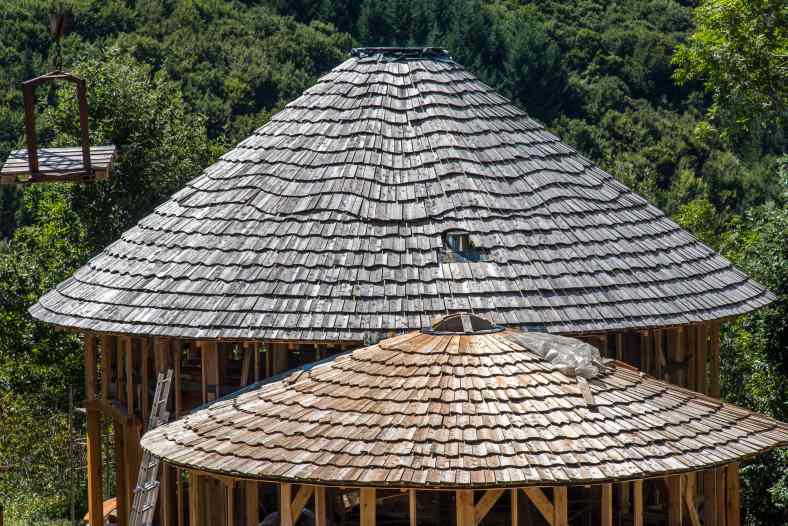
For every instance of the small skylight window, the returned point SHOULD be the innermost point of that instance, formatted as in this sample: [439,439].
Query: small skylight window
[458,241]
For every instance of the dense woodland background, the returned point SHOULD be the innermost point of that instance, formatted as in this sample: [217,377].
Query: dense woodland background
[685,102]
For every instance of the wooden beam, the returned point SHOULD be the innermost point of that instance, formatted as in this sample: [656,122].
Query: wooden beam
[646,342]
[251,503]
[606,506]
[675,505]
[285,505]
[246,365]
[733,498]
[95,496]
[367,505]
[302,497]
[701,346]
[714,361]
[720,503]
[133,456]
[412,511]
[542,503]
[620,346]
[466,512]
[561,506]
[486,503]
[659,355]
[513,506]
[637,503]
[120,370]
[321,509]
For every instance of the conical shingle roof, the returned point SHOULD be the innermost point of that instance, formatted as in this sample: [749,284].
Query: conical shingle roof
[503,408]
[331,222]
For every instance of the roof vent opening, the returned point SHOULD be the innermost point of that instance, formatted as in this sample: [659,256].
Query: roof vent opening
[462,323]
[458,246]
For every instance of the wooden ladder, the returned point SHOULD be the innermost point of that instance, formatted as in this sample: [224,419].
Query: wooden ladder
[146,492]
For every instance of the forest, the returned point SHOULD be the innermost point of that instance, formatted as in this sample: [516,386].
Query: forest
[683,101]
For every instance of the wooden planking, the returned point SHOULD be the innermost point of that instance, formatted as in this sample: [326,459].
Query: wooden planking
[356,224]
[58,164]
[733,495]
[367,503]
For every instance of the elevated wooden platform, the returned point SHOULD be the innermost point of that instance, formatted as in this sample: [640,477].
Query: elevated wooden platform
[58,165]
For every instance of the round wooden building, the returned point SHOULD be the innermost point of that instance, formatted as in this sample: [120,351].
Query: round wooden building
[455,426]
[396,190]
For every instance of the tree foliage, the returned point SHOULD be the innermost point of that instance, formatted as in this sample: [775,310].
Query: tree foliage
[739,50]
[175,83]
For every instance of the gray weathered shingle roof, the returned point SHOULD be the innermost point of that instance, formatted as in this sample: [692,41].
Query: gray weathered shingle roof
[327,223]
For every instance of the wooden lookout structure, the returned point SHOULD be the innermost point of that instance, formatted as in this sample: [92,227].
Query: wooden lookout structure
[465,424]
[396,190]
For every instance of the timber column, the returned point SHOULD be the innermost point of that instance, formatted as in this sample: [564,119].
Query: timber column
[95,496]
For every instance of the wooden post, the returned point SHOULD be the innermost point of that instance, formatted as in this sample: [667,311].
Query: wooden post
[701,345]
[107,353]
[181,519]
[178,356]
[606,505]
[95,495]
[121,491]
[514,499]
[252,504]
[285,501]
[637,503]
[710,497]
[129,355]
[646,342]
[368,511]
[412,511]
[560,506]
[256,347]
[165,495]
[720,503]
[210,371]
[89,346]
[230,484]
[714,362]
[144,381]
[674,500]
[196,504]
[733,500]
[465,507]
[120,370]
[691,349]
[321,510]
[659,355]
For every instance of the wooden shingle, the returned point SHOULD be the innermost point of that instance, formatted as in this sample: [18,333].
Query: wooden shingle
[344,198]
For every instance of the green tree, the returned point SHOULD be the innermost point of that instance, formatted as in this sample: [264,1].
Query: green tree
[739,50]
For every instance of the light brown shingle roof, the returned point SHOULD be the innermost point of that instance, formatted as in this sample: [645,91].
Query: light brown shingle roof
[462,410]
[328,223]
